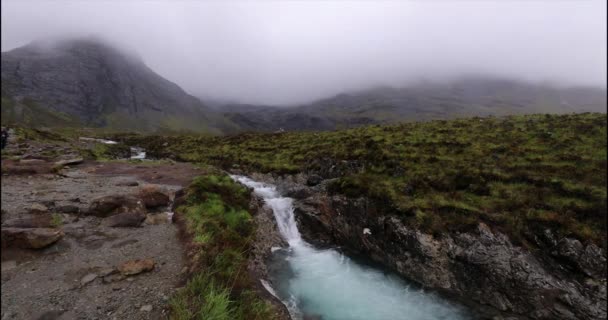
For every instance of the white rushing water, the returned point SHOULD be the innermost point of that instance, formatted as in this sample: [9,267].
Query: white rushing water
[138,153]
[328,285]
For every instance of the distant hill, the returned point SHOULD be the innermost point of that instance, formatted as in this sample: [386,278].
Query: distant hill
[87,82]
[473,96]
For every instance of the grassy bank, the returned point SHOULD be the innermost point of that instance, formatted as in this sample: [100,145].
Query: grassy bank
[219,230]
[520,174]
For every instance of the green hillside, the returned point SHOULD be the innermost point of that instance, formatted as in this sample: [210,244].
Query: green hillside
[519,174]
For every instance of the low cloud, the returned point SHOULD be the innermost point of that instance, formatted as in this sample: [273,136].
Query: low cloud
[292,52]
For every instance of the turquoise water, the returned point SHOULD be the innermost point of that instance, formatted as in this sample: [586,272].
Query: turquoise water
[327,285]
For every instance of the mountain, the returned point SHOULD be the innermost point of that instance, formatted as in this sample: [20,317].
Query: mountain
[88,82]
[471,96]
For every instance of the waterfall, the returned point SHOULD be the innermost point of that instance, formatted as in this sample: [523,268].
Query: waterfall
[325,284]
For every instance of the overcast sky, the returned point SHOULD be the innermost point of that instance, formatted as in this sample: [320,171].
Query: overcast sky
[291,51]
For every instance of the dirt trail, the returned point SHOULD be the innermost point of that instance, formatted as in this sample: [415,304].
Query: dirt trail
[76,277]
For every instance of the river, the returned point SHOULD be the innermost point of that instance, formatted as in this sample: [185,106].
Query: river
[327,285]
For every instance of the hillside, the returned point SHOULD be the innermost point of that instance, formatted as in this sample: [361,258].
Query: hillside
[87,82]
[516,173]
[465,97]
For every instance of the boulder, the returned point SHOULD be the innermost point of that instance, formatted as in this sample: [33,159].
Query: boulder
[313,180]
[125,220]
[157,218]
[68,209]
[36,221]
[127,183]
[178,199]
[153,197]
[68,162]
[38,208]
[137,266]
[32,161]
[110,205]
[30,238]
[298,192]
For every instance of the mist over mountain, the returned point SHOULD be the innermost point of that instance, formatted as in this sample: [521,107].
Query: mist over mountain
[468,96]
[91,82]
[295,52]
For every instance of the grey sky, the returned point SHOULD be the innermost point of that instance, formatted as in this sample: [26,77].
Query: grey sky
[291,51]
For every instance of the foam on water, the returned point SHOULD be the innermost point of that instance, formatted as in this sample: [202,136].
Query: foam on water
[328,284]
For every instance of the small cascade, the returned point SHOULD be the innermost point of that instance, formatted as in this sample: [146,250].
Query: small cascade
[329,285]
[138,153]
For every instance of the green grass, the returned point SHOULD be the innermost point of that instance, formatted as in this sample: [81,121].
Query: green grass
[517,173]
[220,227]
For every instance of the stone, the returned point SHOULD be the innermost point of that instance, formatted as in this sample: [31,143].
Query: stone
[68,209]
[114,204]
[146,308]
[157,218]
[88,278]
[32,161]
[127,183]
[313,180]
[298,192]
[133,267]
[153,197]
[8,265]
[48,315]
[34,238]
[36,221]
[38,208]
[73,161]
[125,220]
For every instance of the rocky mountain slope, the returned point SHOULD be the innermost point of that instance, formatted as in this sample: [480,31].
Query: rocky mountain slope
[87,82]
[471,96]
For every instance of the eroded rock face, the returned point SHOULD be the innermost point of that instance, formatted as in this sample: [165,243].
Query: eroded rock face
[30,238]
[110,205]
[481,266]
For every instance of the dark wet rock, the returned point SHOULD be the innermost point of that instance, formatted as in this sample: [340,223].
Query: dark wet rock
[134,267]
[153,197]
[179,199]
[30,238]
[125,220]
[110,205]
[588,260]
[298,192]
[313,180]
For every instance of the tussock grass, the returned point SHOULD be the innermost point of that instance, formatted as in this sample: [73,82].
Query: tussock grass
[517,173]
[220,228]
